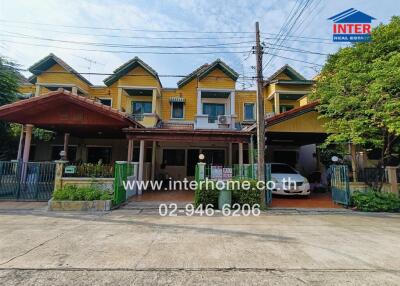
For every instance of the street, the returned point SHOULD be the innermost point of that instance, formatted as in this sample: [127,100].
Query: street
[123,247]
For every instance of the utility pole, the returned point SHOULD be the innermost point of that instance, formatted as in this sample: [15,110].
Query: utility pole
[260,115]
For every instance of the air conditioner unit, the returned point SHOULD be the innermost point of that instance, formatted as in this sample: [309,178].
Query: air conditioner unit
[223,120]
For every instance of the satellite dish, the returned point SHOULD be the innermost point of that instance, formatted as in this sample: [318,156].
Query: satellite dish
[334,159]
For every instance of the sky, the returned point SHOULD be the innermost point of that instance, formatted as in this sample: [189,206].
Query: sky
[96,37]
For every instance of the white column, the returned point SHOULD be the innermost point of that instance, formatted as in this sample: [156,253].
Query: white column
[37,90]
[154,101]
[230,154]
[276,103]
[199,111]
[141,164]
[240,154]
[153,160]
[119,99]
[232,103]
[75,90]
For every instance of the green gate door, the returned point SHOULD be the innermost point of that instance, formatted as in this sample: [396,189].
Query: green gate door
[340,184]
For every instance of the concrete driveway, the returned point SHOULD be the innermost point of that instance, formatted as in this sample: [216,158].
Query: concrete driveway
[123,248]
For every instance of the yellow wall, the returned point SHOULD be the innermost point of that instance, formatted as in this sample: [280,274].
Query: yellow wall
[58,75]
[307,122]
[217,79]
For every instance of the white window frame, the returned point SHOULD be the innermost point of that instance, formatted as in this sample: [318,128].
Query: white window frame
[172,108]
[244,111]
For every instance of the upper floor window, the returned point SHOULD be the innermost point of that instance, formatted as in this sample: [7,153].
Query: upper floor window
[213,110]
[177,110]
[106,101]
[140,107]
[249,111]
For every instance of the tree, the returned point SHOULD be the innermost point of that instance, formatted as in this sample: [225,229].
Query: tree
[9,82]
[359,92]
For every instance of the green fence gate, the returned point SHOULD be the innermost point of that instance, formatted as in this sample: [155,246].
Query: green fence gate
[26,181]
[340,186]
[123,170]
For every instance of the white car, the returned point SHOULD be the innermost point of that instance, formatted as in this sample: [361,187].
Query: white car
[288,181]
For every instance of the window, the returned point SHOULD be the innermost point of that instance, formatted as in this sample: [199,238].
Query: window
[174,157]
[177,110]
[96,155]
[284,108]
[213,110]
[140,107]
[106,101]
[249,111]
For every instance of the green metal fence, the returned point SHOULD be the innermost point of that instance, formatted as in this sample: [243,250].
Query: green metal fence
[122,170]
[29,181]
[340,184]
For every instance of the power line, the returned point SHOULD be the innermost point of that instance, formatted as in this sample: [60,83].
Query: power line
[127,29]
[129,52]
[222,45]
[130,36]
[130,75]
[301,11]
[296,60]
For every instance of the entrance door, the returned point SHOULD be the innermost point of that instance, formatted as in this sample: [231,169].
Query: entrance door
[192,159]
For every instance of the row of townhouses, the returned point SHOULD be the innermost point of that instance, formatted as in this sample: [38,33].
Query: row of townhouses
[133,117]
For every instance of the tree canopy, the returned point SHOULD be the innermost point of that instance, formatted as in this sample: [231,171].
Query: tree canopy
[359,91]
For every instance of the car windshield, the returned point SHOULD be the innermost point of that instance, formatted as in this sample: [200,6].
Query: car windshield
[282,169]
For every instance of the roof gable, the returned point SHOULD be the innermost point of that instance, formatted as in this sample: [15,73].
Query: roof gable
[289,71]
[352,16]
[204,70]
[49,61]
[127,67]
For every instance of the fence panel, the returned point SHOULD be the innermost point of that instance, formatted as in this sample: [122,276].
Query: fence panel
[340,184]
[27,181]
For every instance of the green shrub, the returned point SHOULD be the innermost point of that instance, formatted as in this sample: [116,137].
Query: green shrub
[251,196]
[74,193]
[372,201]
[204,196]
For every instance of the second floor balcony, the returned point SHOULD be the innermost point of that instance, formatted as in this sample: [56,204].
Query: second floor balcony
[215,109]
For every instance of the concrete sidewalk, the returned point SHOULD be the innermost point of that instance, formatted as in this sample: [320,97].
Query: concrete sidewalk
[123,248]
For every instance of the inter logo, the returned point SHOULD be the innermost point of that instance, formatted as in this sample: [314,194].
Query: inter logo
[351,26]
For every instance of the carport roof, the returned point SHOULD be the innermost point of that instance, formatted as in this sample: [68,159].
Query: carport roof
[63,111]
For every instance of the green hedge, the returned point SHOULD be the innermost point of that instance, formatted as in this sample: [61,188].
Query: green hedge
[74,193]
[240,196]
[372,201]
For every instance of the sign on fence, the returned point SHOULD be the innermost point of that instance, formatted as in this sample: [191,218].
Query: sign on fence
[70,169]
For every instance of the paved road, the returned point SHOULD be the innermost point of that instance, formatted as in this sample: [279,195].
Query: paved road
[123,248]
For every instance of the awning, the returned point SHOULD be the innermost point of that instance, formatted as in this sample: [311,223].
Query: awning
[62,111]
[186,135]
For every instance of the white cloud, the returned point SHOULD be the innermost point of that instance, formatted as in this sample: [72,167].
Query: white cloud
[167,15]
